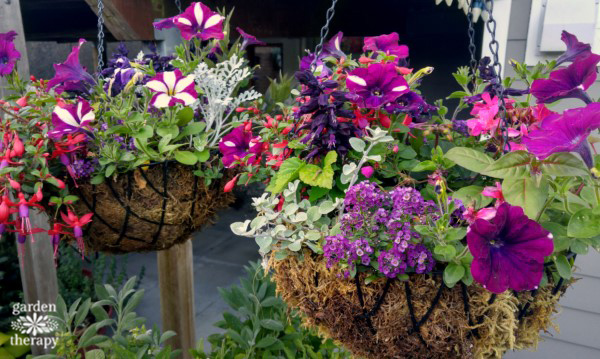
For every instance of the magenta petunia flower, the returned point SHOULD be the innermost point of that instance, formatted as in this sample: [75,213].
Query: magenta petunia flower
[171,88]
[70,76]
[570,82]
[71,119]
[386,43]
[376,85]
[565,133]
[249,39]
[198,20]
[508,250]
[333,46]
[575,48]
[238,144]
[9,55]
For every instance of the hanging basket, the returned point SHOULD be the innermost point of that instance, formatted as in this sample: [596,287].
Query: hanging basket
[150,209]
[419,318]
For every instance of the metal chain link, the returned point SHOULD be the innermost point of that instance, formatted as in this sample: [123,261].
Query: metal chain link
[472,47]
[100,45]
[178,4]
[497,66]
[324,32]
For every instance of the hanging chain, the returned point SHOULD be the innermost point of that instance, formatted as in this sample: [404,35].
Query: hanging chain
[472,47]
[100,46]
[497,66]
[178,4]
[324,32]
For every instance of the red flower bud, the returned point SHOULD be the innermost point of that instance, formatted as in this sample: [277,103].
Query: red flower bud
[18,148]
[14,184]
[385,121]
[231,184]
[286,130]
[32,78]
[22,101]
[240,109]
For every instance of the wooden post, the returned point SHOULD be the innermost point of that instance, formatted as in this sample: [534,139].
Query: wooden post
[38,274]
[176,281]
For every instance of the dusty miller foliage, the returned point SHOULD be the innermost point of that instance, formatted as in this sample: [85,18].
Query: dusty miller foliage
[219,85]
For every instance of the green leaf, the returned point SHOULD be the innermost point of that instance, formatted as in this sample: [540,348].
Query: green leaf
[288,172]
[559,234]
[317,176]
[184,116]
[266,342]
[192,128]
[144,132]
[455,234]
[314,193]
[186,157]
[469,158]
[457,94]
[330,159]
[94,354]
[164,131]
[512,165]
[425,166]
[357,144]
[471,196]
[563,164]
[271,324]
[202,156]
[563,266]
[453,273]
[584,224]
[444,252]
[525,192]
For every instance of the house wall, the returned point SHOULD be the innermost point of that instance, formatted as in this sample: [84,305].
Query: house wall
[579,318]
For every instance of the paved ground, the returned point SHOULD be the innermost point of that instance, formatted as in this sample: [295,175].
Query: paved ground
[219,257]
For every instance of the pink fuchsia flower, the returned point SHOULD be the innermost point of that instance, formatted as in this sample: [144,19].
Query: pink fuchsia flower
[485,112]
[508,250]
[566,133]
[249,39]
[77,223]
[70,76]
[376,85]
[333,46]
[9,55]
[239,144]
[570,82]
[171,88]
[575,48]
[494,192]
[71,119]
[367,171]
[198,20]
[471,214]
[386,43]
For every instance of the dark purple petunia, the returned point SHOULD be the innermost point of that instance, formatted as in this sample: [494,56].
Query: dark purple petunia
[567,132]
[376,85]
[386,43]
[70,76]
[319,67]
[413,105]
[570,82]
[333,46]
[508,250]
[249,39]
[9,55]
[238,144]
[198,20]
[575,49]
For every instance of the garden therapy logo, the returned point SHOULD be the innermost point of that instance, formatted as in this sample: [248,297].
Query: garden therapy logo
[34,325]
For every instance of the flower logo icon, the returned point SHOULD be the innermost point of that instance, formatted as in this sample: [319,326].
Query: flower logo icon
[34,324]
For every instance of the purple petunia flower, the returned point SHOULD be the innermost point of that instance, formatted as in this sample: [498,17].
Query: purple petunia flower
[249,39]
[386,43]
[575,49]
[320,68]
[413,105]
[237,145]
[71,119]
[572,81]
[171,88]
[9,55]
[198,20]
[333,46]
[70,75]
[565,133]
[509,250]
[376,85]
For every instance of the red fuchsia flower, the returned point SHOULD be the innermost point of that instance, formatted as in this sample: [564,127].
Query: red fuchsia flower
[77,223]
[386,43]
[508,250]
[70,75]
[18,149]
[9,55]
[376,85]
[494,192]
[575,48]
[198,20]
[248,39]
[367,171]
[230,185]
[485,112]
[23,210]
[55,233]
[71,119]
[171,88]
[239,147]
[566,133]
[570,82]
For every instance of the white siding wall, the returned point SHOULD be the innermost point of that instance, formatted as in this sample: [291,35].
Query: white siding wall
[579,319]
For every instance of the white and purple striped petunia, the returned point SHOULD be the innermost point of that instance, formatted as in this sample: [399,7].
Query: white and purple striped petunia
[376,85]
[71,119]
[198,20]
[171,88]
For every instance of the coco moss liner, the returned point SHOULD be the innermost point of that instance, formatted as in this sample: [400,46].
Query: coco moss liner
[188,205]
[333,307]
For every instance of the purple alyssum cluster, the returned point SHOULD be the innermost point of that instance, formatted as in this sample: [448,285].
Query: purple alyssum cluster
[376,227]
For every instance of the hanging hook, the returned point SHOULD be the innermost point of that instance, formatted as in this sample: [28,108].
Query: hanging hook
[100,45]
[178,4]
[324,32]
